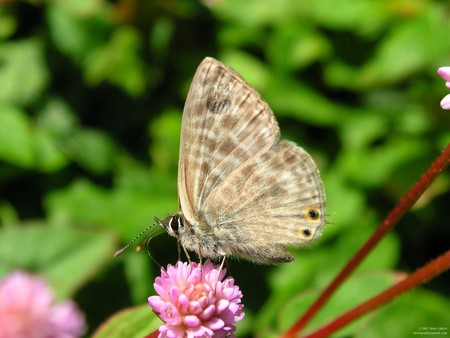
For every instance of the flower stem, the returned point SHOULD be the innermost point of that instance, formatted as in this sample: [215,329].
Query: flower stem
[422,275]
[388,223]
[153,334]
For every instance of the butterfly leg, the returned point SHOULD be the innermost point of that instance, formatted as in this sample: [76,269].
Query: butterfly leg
[185,252]
[222,263]
[199,254]
[220,269]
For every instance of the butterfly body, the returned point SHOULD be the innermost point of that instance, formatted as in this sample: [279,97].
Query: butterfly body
[242,192]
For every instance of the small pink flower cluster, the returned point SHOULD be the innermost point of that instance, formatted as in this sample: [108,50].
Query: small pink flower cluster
[193,301]
[27,310]
[444,72]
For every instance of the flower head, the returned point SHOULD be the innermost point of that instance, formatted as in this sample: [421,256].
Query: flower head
[193,301]
[27,310]
[444,72]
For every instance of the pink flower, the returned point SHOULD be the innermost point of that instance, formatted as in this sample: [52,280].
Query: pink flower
[193,301]
[27,310]
[444,72]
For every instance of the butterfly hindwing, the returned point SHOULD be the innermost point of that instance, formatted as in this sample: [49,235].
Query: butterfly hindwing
[274,200]
[241,191]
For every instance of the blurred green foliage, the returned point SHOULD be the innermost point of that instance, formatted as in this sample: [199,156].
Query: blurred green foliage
[91,95]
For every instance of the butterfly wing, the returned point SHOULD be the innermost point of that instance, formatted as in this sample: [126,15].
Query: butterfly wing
[273,200]
[225,123]
[241,191]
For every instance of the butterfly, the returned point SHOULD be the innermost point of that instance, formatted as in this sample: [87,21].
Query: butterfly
[241,191]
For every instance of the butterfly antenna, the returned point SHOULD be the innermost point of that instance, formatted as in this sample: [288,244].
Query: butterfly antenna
[149,237]
[119,252]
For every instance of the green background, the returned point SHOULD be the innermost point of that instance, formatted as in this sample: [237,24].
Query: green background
[91,95]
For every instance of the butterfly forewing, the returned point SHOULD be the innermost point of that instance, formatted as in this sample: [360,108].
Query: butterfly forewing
[225,123]
[241,191]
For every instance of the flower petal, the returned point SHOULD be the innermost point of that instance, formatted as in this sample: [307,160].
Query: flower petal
[444,72]
[445,103]
[195,302]
[208,312]
[169,314]
[171,331]
[215,324]
[174,293]
[194,308]
[191,321]
[183,304]
[156,303]
[194,277]
[222,305]
[66,320]
[199,332]
[27,308]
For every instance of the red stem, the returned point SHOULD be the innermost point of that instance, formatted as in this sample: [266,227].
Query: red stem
[422,275]
[389,222]
[153,334]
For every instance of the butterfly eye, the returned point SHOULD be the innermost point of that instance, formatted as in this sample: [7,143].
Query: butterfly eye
[175,223]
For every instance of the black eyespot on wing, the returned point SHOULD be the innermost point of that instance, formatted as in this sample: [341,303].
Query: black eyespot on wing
[313,214]
[306,233]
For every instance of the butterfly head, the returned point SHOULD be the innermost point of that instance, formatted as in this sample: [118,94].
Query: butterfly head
[172,224]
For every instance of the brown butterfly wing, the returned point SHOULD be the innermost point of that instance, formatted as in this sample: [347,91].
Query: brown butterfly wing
[225,123]
[273,200]
[241,191]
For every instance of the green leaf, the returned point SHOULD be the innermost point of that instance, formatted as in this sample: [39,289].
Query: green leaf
[414,42]
[165,131]
[15,137]
[57,118]
[23,72]
[81,7]
[363,128]
[76,32]
[8,215]
[344,202]
[48,154]
[364,17]
[251,69]
[91,149]
[371,167]
[409,313]
[418,312]
[314,268]
[134,322]
[54,124]
[140,195]
[118,62]
[8,24]
[161,35]
[290,97]
[352,292]
[67,257]
[295,45]
[263,12]
[138,273]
